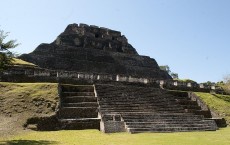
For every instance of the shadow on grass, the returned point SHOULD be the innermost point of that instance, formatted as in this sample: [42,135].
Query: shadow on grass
[27,142]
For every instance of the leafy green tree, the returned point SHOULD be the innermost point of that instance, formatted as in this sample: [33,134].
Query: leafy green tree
[174,75]
[165,68]
[227,79]
[226,84]
[6,56]
[221,83]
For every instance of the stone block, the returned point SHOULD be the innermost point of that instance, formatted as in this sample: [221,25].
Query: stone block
[83,25]
[112,126]
[41,73]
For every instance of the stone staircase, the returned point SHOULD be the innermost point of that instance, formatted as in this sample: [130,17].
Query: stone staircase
[189,104]
[78,107]
[148,109]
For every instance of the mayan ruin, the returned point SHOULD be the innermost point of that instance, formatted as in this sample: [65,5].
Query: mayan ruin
[104,84]
[124,72]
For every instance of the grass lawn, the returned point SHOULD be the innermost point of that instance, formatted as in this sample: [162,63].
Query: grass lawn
[94,137]
[219,103]
[29,90]
[17,61]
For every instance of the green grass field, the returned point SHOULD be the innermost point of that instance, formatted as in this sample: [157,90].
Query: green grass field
[17,61]
[218,103]
[30,90]
[94,137]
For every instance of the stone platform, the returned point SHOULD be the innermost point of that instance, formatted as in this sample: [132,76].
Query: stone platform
[130,108]
[148,109]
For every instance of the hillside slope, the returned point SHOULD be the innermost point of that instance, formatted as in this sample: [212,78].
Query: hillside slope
[20,101]
[218,103]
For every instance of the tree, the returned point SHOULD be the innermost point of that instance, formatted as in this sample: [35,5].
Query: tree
[165,68]
[174,75]
[6,56]
[226,84]
[227,79]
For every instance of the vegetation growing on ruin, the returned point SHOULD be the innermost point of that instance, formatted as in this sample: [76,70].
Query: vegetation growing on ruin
[219,103]
[6,56]
[29,90]
[185,80]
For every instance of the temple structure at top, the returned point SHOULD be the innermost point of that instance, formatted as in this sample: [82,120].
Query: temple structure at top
[92,49]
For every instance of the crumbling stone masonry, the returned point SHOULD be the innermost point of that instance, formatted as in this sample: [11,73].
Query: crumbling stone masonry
[91,49]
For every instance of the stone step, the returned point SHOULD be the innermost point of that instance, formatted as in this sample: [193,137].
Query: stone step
[136,111]
[196,111]
[136,105]
[166,108]
[162,120]
[185,117]
[143,109]
[179,94]
[151,99]
[77,88]
[127,110]
[193,107]
[123,88]
[131,94]
[160,114]
[122,113]
[66,94]
[220,122]
[141,101]
[152,115]
[80,123]
[187,102]
[81,104]
[212,124]
[143,125]
[76,99]
[169,129]
[205,113]
[78,112]
[138,95]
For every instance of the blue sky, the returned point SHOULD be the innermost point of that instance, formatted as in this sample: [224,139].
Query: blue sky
[191,36]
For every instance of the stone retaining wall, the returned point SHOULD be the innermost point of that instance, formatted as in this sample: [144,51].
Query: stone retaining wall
[111,123]
[36,74]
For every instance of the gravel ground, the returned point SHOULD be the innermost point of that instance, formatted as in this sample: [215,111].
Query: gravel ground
[10,126]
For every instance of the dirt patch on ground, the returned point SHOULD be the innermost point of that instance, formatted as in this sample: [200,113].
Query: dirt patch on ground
[10,126]
[20,101]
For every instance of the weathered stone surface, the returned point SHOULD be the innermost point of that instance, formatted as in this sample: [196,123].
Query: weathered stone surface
[92,49]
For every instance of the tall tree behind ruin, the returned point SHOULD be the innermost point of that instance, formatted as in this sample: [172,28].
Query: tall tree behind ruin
[6,56]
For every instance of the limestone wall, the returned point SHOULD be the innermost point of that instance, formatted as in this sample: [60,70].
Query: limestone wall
[111,123]
[189,86]
[28,74]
